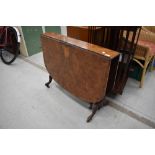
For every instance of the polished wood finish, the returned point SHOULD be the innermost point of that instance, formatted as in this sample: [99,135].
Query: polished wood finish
[81,32]
[124,40]
[119,38]
[108,53]
[79,67]
[78,32]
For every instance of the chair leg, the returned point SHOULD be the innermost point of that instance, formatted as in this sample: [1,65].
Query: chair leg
[152,63]
[146,63]
[143,76]
[142,79]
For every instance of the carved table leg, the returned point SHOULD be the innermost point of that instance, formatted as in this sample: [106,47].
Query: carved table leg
[90,105]
[50,80]
[103,103]
[95,107]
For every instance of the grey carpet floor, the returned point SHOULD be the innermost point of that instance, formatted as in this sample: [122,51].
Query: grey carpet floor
[26,103]
[139,100]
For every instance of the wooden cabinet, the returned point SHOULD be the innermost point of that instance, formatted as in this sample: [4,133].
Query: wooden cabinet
[78,32]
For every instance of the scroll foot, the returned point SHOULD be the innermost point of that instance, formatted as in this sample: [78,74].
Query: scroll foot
[95,107]
[50,80]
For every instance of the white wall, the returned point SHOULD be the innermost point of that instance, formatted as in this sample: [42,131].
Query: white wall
[23,49]
[64,30]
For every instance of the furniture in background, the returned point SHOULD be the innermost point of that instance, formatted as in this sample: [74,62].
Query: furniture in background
[119,38]
[145,52]
[85,70]
[124,40]
[151,30]
[80,32]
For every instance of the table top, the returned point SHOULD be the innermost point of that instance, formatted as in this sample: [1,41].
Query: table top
[82,44]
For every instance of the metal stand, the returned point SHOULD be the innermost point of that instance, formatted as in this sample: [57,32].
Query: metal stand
[50,80]
[95,107]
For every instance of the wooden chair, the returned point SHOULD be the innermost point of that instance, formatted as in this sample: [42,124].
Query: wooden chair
[151,30]
[145,52]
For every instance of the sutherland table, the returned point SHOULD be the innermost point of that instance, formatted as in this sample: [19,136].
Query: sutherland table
[85,70]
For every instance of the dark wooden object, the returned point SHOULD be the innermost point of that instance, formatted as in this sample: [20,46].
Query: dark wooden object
[82,32]
[78,32]
[79,67]
[119,38]
[122,39]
